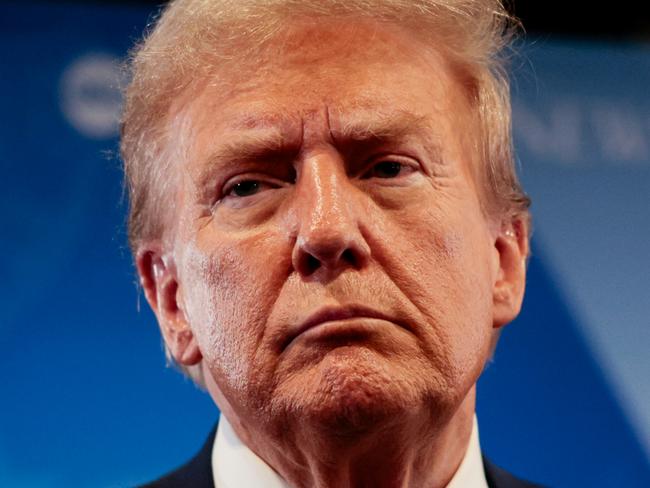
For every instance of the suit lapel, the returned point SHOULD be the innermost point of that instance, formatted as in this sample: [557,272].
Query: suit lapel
[499,478]
[196,473]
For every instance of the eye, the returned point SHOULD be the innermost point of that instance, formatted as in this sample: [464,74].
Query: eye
[245,188]
[388,169]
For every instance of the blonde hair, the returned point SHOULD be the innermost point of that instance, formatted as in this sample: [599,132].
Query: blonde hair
[193,39]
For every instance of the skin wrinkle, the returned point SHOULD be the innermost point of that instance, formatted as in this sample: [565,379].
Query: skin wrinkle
[232,151]
[200,45]
[421,256]
[257,353]
[394,271]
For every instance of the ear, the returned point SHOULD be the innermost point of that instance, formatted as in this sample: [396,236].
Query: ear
[162,290]
[512,247]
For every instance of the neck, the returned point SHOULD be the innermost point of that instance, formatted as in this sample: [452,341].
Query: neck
[412,451]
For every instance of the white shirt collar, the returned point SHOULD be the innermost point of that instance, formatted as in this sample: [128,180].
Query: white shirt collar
[235,466]
[471,473]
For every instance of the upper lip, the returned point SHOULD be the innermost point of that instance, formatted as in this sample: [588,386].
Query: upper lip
[329,314]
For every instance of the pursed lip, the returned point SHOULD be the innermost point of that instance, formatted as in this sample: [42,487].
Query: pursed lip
[331,314]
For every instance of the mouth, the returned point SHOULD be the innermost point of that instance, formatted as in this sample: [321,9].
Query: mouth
[351,320]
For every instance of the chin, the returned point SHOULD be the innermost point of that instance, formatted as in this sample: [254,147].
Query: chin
[354,390]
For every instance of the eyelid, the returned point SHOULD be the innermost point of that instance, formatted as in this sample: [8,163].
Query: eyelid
[406,161]
[262,178]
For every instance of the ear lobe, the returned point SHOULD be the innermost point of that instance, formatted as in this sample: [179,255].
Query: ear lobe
[512,249]
[159,281]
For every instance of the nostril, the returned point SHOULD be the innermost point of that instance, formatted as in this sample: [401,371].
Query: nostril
[349,257]
[327,258]
[311,264]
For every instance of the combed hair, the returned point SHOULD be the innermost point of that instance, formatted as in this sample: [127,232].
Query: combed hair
[192,39]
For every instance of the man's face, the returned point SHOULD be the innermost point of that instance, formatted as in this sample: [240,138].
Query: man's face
[332,257]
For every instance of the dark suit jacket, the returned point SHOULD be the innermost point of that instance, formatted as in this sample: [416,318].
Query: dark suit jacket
[197,473]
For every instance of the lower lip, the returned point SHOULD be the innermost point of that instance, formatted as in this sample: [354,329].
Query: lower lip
[352,329]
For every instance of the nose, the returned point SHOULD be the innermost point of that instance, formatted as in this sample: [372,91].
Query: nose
[329,211]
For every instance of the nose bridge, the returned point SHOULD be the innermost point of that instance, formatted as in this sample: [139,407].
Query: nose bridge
[329,235]
[324,200]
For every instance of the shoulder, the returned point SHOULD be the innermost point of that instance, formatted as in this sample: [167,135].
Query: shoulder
[196,473]
[500,478]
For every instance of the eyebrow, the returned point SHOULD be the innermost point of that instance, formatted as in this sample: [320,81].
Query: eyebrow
[371,125]
[369,129]
[252,146]
[262,138]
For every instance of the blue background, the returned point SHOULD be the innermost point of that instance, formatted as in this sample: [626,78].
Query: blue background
[86,399]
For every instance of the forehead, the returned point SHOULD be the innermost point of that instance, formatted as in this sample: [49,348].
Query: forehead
[362,54]
[354,75]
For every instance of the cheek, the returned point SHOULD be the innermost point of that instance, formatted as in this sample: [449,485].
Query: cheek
[445,247]
[230,286]
[439,257]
